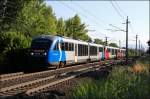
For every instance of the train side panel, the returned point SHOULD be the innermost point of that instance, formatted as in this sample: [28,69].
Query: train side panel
[56,54]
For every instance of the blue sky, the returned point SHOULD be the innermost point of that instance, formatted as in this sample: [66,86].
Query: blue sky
[97,15]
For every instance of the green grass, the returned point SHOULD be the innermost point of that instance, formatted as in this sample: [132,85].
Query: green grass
[120,84]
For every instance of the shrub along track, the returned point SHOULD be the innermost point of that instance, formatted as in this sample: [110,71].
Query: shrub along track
[33,83]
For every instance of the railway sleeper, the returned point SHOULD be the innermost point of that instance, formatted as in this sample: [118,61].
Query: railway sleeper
[25,84]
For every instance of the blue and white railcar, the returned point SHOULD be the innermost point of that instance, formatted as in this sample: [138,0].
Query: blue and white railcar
[56,50]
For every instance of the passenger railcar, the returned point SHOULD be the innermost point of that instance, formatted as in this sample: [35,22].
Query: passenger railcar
[111,52]
[58,51]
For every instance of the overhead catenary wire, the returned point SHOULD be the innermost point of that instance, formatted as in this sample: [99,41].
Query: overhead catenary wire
[117,11]
[93,21]
[90,14]
[125,14]
[131,27]
[122,11]
[78,12]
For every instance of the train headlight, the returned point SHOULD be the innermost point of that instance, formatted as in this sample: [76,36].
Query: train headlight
[45,53]
[31,53]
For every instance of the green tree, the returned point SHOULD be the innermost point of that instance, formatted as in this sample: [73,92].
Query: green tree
[99,41]
[113,45]
[12,40]
[35,19]
[61,27]
[9,12]
[76,29]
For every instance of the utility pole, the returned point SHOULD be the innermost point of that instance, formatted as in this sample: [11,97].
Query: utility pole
[149,46]
[139,48]
[106,41]
[119,44]
[127,22]
[136,45]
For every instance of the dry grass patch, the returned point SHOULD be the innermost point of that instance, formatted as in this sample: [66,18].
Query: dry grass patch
[138,68]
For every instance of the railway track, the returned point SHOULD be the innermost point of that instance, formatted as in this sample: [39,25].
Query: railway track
[6,82]
[10,75]
[36,82]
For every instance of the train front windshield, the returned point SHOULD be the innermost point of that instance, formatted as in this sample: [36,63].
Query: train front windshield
[41,44]
[39,51]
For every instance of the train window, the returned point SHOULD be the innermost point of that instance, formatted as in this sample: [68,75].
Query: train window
[82,50]
[62,46]
[72,47]
[66,46]
[86,50]
[69,46]
[93,50]
[113,51]
[108,49]
[100,49]
[41,44]
[79,49]
[56,46]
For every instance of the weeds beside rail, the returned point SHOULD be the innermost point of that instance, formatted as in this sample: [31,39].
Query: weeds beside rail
[122,83]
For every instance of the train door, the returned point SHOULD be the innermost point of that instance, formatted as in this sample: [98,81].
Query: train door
[69,50]
[75,48]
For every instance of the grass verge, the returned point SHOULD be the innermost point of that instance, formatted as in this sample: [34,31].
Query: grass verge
[121,83]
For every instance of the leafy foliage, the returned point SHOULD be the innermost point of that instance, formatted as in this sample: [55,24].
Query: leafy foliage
[11,41]
[37,19]
[120,84]
[61,27]
[132,52]
[99,41]
[113,45]
[76,29]
[9,10]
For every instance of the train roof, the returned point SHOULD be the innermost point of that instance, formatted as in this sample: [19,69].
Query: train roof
[74,41]
[49,37]
[94,44]
[112,47]
[122,49]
